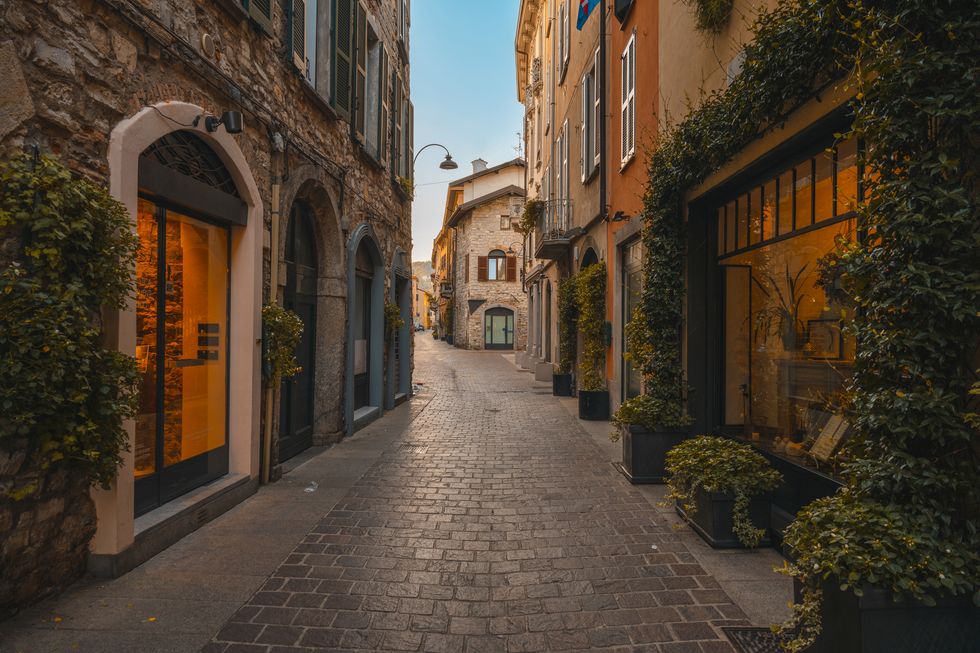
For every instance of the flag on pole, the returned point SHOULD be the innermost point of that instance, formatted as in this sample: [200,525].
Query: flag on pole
[585,8]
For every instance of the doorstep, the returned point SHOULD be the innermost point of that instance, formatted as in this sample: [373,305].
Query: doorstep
[365,415]
[166,525]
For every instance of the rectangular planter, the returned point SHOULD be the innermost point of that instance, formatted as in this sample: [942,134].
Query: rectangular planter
[593,405]
[874,623]
[561,385]
[644,452]
[712,519]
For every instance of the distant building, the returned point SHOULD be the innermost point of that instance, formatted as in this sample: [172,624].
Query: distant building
[475,255]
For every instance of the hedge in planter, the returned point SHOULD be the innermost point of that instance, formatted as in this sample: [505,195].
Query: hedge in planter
[702,468]
[567,331]
[590,295]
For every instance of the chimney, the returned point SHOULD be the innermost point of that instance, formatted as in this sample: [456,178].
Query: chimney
[479,166]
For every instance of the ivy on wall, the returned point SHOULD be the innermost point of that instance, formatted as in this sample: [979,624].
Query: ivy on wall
[282,331]
[711,15]
[590,294]
[68,252]
[567,325]
[908,518]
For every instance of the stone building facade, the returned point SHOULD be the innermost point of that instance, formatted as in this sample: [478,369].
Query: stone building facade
[489,308]
[250,136]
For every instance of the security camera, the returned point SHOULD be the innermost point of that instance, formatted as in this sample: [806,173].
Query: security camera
[232,120]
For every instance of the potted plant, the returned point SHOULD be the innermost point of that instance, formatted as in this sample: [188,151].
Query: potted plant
[721,488]
[561,381]
[590,295]
[891,563]
[654,422]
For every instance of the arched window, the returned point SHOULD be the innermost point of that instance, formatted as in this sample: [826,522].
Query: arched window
[497,266]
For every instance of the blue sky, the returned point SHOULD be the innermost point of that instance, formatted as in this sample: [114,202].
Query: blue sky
[465,97]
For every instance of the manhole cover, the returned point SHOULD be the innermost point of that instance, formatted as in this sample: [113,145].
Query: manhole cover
[412,447]
[753,640]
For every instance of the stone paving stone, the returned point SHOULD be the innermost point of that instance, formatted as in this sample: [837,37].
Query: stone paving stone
[493,523]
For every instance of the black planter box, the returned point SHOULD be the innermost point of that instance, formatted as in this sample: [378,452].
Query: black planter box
[561,385]
[645,451]
[874,623]
[712,519]
[593,405]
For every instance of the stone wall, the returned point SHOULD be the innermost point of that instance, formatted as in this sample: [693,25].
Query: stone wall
[45,534]
[479,234]
[71,70]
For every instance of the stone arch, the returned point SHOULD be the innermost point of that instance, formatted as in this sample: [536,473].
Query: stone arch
[399,381]
[364,236]
[315,189]
[128,139]
[590,257]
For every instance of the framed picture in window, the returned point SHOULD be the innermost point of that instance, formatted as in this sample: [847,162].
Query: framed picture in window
[825,339]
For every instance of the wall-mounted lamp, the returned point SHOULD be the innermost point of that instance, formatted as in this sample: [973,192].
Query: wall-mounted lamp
[232,120]
[619,216]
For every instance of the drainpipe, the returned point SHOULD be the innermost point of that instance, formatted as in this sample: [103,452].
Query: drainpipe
[273,292]
[602,109]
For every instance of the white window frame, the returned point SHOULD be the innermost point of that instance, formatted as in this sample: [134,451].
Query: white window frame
[628,102]
[564,38]
[591,146]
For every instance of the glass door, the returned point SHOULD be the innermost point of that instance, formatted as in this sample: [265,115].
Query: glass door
[182,279]
[498,329]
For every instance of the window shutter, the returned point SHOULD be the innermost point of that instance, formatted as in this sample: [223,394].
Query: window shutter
[410,144]
[393,110]
[396,160]
[360,72]
[511,268]
[481,268]
[628,107]
[343,45]
[383,103]
[586,112]
[261,12]
[597,124]
[297,34]
[466,276]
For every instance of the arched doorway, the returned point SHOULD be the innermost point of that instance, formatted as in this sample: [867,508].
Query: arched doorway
[188,204]
[547,321]
[365,363]
[296,398]
[498,328]
[589,258]
[400,353]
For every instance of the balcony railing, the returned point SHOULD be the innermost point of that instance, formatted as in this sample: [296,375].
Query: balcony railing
[551,234]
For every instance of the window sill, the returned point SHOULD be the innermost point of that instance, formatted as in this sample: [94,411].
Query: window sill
[235,8]
[626,162]
[590,177]
[321,102]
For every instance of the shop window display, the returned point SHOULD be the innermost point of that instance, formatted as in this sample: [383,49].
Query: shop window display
[787,355]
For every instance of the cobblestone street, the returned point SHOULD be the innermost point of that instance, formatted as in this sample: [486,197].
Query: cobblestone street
[493,524]
[483,516]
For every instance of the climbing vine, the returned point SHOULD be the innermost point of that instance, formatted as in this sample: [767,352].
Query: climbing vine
[281,332]
[590,294]
[915,279]
[711,15]
[529,217]
[67,252]
[567,325]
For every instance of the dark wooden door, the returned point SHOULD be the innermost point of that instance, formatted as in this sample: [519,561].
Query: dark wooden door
[296,402]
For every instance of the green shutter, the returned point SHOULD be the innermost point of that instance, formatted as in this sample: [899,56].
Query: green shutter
[360,72]
[297,34]
[343,46]
[383,106]
[261,12]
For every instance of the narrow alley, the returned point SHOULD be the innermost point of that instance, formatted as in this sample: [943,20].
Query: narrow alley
[480,517]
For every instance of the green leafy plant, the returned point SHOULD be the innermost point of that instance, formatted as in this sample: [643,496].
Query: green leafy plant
[393,319]
[67,252]
[567,325]
[408,187]
[781,315]
[590,295]
[725,466]
[913,279]
[532,211]
[281,330]
[711,15]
